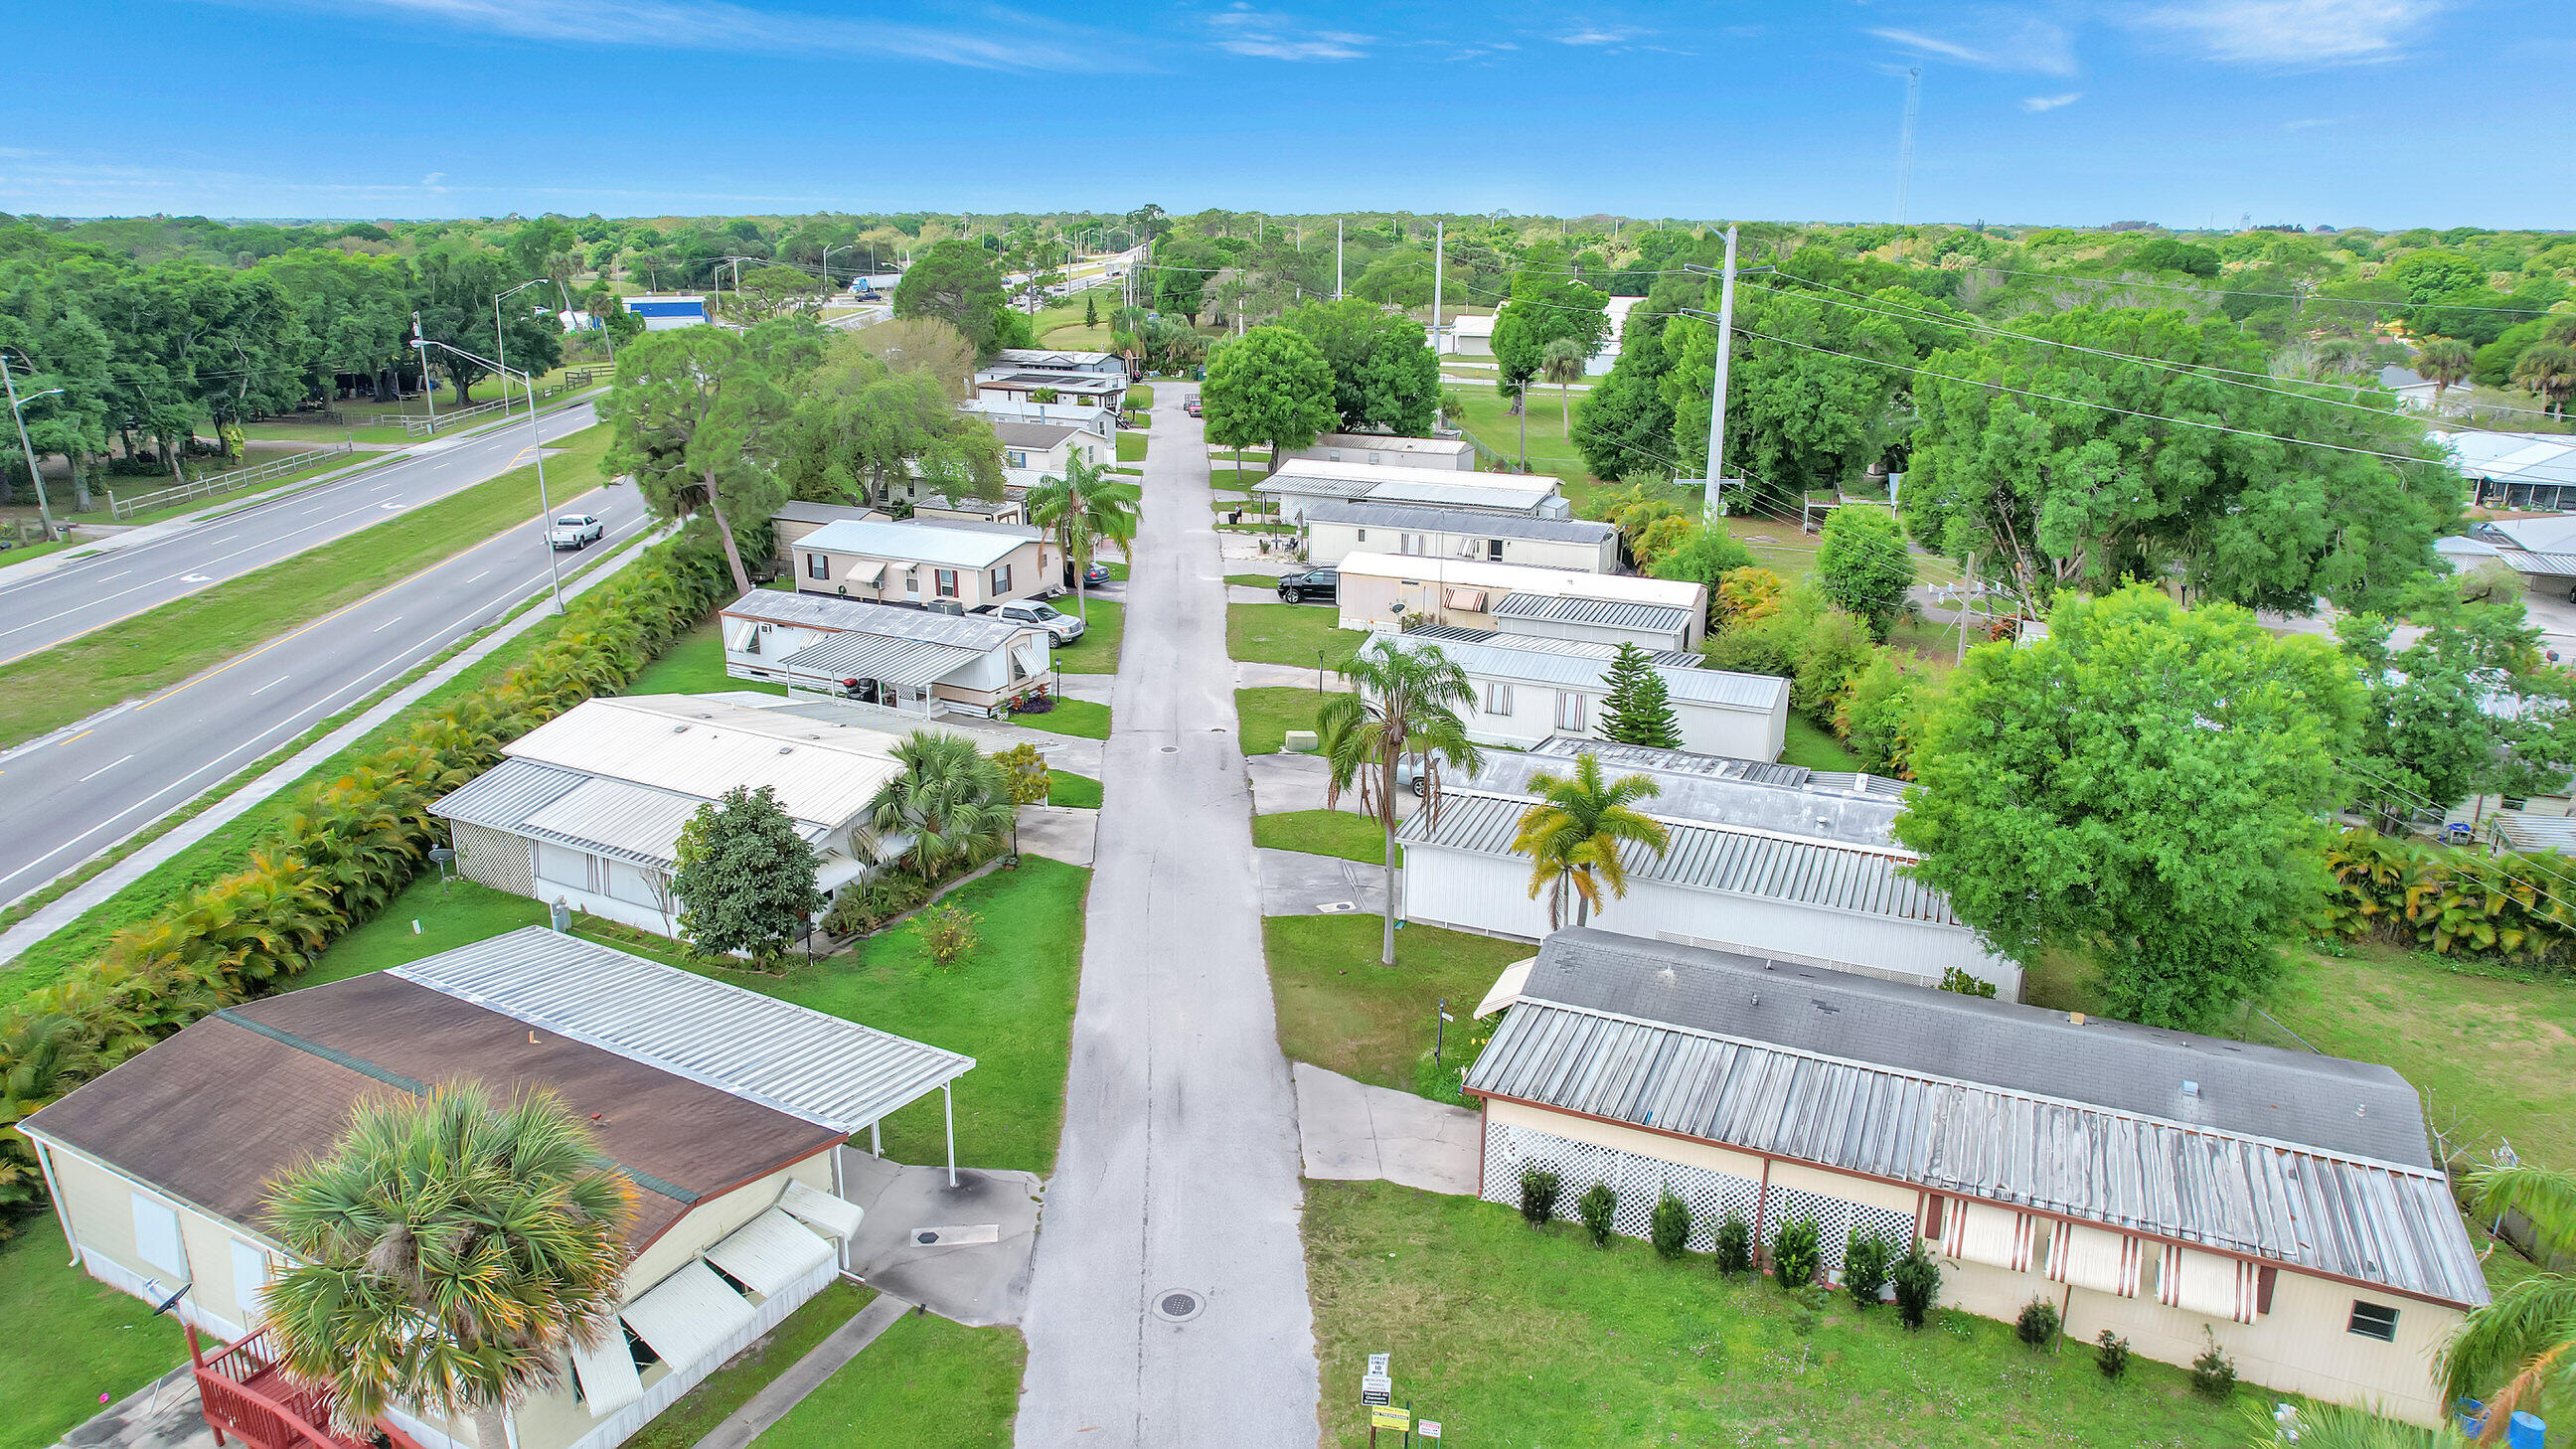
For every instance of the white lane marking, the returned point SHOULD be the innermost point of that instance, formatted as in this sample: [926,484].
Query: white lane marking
[117,575]
[272,684]
[103,769]
[477,576]
[380,628]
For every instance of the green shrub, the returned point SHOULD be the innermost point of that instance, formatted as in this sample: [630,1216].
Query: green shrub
[2037,1324]
[947,934]
[1865,1259]
[2110,1354]
[1954,979]
[1670,1229]
[1918,1284]
[1598,1206]
[873,902]
[2213,1374]
[1734,1245]
[2456,902]
[1835,648]
[1797,1251]
[1538,1196]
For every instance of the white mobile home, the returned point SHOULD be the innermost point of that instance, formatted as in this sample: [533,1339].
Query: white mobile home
[1386,449]
[1073,391]
[964,561]
[795,519]
[1528,689]
[1337,528]
[1300,482]
[1049,359]
[908,662]
[1381,590]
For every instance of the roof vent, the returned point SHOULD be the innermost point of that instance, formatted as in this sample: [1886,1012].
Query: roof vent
[2190,1088]
[679,729]
[786,749]
[2075,1018]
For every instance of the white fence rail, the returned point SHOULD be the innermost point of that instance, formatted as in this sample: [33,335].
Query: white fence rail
[431,427]
[215,485]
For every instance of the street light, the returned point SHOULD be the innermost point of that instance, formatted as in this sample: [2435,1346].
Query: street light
[825,266]
[553,570]
[18,415]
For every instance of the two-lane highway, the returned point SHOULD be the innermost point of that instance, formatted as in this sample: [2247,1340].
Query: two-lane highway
[68,602]
[66,798]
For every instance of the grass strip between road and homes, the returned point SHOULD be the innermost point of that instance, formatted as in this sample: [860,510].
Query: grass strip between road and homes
[926,1383]
[1299,634]
[715,1398]
[1264,716]
[1340,1010]
[1078,792]
[159,647]
[1322,832]
[1078,717]
[1104,629]
[1470,1301]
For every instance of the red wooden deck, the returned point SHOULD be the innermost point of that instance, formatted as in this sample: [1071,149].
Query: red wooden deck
[247,1396]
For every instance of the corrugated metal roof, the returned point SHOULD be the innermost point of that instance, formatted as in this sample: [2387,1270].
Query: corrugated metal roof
[1995,1101]
[1455,492]
[1448,634]
[875,656]
[839,615]
[1524,579]
[1709,857]
[1502,659]
[2531,834]
[820,771]
[821,1068]
[1678,762]
[1370,513]
[686,1316]
[2546,565]
[1608,613]
[931,543]
[770,1252]
[508,793]
[616,818]
[1829,814]
[798,511]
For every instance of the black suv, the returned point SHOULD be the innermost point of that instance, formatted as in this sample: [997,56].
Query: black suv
[1320,584]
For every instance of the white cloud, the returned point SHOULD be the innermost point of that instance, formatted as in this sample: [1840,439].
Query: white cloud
[1246,31]
[719,25]
[1994,41]
[2041,105]
[1595,35]
[2294,34]
[434,179]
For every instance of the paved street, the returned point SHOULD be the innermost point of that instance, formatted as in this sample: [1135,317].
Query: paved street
[45,609]
[69,796]
[1179,1167]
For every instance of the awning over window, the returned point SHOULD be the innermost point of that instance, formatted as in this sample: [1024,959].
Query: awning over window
[820,1209]
[688,1314]
[2105,1262]
[742,636]
[1995,1236]
[2209,1285]
[607,1374]
[866,571]
[1467,601]
[770,1252]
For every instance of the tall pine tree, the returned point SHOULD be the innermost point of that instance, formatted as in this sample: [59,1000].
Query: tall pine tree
[1638,711]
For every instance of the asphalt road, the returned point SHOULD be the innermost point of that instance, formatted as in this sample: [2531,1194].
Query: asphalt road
[65,798]
[68,602]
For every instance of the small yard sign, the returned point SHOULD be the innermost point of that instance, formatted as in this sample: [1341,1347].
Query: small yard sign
[1428,1428]
[1383,1417]
[1376,1389]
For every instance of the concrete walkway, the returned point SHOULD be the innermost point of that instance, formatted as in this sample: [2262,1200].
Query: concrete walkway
[1168,1308]
[1353,1132]
[975,1269]
[806,1375]
[1294,883]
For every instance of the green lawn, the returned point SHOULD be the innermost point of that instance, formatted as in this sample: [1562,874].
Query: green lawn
[336,463]
[1140,395]
[1081,792]
[1096,652]
[697,1413]
[1266,715]
[1289,633]
[1321,832]
[1256,581]
[1010,1005]
[1471,1302]
[1131,447]
[1070,717]
[72,1339]
[695,664]
[21,552]
[168,643]
[926,1383]
[1811,745]
[1489,419]
[1340,1010]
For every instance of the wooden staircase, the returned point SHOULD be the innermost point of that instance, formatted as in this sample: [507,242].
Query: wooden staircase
[246,1394]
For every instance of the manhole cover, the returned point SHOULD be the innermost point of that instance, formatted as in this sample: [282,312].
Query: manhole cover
[1178,1306]
[1171,749]
[1336,908]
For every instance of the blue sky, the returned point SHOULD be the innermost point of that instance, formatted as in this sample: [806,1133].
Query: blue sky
[2386,113]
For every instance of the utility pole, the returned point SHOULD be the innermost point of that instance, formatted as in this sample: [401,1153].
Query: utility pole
[1713,507]
[426,390]
[1337,259]
[1438,232]
[537,441]
[1905,144]
[1966,582]
[43,512]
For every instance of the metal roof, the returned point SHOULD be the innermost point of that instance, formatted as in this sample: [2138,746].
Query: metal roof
[2548,565]
[1851,818]
[861,616]
[2512,457]
[1052,357]
[943,543]
[798,511]
[878,656]
[2314,1162]
[508,793]
[1608,613]
[1374,513]
[1525,579]
[1722,767]
[2522,831]
[1716,688]
[826,1070]
[819,770]
[1709,857]
[1448,634]
[636,823]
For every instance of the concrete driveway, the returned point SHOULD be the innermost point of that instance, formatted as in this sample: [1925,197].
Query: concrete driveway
[1294,883]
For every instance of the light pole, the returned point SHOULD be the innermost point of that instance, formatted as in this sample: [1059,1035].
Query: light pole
[825,266]
[18,415]
[537,446]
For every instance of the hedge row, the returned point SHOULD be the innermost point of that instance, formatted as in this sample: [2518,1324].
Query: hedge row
[349,846]
[2459,902]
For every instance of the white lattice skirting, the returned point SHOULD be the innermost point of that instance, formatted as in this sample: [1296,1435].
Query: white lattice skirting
[1640,1181]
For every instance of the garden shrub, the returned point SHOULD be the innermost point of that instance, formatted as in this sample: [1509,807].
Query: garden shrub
[2110,1354]
[1734,1245]
[1918,1284]
[1538,1196]
[1598,1206]
[1965,984]
[1670,1229]
[2037,1324]
[1797,1252]
[947,934]
[2213,1374]
[1832,651]
[1865,1261]
[2456,902]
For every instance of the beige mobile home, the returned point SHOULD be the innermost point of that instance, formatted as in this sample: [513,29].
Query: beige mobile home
[908,662]
[1338,528]
[1530,688]
[963,561]
[1381,590]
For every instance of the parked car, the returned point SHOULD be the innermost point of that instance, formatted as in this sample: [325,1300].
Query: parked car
[1317,585]
[1192,406]
[576,530]
[1092,577]
[1065,627]
[1408,773]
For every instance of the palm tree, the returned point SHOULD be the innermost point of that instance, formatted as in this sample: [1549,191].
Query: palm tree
[2341,1426]
[1083,508]
[2525,1341]
[953,801]
[1404,704]
[450,1250]
[1561,362]
[2549,369]
[2443,363]
[1574,831]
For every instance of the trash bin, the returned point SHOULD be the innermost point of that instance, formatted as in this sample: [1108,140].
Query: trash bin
[1234,516]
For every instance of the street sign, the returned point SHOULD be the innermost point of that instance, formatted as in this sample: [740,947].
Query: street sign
[1386,1418]
[1428,1428]
[1378,1364]
[1377,1389]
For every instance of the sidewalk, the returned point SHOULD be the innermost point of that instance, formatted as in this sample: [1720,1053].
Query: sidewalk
[1351,1132]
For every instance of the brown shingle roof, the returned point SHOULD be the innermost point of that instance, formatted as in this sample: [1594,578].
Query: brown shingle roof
[216,1112]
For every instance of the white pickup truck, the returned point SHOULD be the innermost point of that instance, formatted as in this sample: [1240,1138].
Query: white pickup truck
[576,531]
